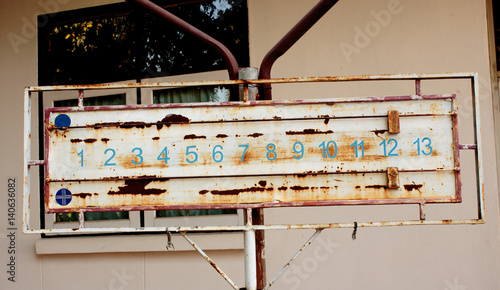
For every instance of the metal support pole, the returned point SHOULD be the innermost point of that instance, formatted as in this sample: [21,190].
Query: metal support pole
[250,255]
[248,92]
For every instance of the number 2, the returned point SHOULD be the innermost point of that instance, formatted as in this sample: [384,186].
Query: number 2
[113,153]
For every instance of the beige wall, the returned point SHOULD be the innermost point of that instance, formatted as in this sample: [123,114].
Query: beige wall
[418,37]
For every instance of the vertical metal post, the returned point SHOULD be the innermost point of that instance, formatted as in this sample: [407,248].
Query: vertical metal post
[27,157]
[248,73]
[250,254]
[80,98]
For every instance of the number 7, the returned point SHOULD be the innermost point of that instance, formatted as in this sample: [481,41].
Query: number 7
[244,151]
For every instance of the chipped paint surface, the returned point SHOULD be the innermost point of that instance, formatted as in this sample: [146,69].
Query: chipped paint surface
[262,154]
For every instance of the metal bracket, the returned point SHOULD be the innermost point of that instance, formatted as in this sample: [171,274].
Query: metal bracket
[170,245]
[392,177]
[393,121]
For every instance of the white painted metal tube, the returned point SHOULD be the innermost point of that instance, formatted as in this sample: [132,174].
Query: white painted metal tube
[250,260]
[27,156]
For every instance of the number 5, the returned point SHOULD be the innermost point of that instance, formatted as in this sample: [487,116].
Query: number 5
[188,152]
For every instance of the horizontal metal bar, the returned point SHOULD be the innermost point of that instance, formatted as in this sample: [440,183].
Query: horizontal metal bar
[255,227]
[261,81]
[467,146]
[36,162]
[253,175]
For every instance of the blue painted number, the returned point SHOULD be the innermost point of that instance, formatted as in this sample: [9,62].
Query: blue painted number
[385,144]
[163,153]
[357,145]
[217,153]
[427,144]
[81,157]
[193,153]
[326,149]
[113,153]
[273,150]
[244,151]
[298,151]
[137,155]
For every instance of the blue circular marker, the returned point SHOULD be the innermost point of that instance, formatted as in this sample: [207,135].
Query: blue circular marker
[62,121]
[63,196]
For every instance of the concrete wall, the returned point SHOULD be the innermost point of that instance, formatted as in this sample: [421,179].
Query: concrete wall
[354,38]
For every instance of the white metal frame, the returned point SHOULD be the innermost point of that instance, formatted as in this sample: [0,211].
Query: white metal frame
[249,228]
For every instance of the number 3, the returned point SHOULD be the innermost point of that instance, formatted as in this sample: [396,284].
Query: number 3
[138,155]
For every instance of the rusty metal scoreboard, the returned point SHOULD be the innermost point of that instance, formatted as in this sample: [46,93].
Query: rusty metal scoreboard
[256,154]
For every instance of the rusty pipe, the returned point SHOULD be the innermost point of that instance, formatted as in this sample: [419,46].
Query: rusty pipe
[289,40]
[227,56]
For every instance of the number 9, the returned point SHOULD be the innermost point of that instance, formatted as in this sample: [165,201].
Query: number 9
[299,151]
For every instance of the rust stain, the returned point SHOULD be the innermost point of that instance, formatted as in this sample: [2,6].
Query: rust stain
[309,132]
[105,140]
[82,195]
[128,125]
[255,135]
[298,187]
[203,191]
[137,187]
[238,191]
[379,132]
[376,186]
[327,121]
[193,136]
[175,119]
[263,183]
[156,138]
[357,187]
[90,140]
[221,136]
[282,188]
[411,187]
[76,140]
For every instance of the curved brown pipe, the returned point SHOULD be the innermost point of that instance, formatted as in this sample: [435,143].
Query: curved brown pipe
[228,57]
[289,40]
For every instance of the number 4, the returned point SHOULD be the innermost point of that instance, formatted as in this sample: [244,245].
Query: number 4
[164,153]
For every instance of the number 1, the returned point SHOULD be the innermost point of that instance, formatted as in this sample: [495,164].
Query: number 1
[81,157]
